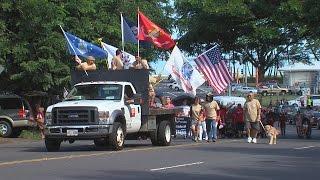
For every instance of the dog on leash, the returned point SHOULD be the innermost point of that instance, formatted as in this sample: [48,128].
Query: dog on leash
[272,133]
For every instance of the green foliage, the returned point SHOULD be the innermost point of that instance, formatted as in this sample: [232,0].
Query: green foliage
[258,31]
[33,49]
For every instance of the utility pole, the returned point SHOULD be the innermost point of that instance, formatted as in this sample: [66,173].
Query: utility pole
[246,73]
[230,70]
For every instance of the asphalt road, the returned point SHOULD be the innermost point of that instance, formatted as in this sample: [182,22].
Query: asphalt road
[291,158]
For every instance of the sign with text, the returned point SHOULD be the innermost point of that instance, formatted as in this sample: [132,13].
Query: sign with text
[181,126]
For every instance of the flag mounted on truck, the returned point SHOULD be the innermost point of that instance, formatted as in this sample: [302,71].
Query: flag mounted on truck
[183,72]
[79,47]
[149,31]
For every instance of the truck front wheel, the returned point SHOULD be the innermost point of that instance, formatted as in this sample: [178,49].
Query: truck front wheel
[117,137]
[164,133]
[52,144]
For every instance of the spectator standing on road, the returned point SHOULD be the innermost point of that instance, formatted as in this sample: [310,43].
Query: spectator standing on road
[222,112]
[299,123]
[195,113]
[252,111]
[116,63]
[211,107]
[40,119]
[282,123]
[238,121]
[202,126]
[309,102]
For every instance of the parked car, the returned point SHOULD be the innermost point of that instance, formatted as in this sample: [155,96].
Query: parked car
[235,87]
[230,100]
[247,90]
[15,115]
[272,89]
[175,86]
[299,90]
[297,101]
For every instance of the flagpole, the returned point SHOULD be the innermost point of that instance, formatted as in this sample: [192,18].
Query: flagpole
[122,34]
[138,34]
[208,50]
[74,51]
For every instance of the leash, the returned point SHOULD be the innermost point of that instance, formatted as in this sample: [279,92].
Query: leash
[263,126]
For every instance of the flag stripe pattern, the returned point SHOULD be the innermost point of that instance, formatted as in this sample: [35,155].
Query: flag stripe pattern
[214,69]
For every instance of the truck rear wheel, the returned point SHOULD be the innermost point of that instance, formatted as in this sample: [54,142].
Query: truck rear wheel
[117,137]
[52,145]
[154,138]
[164,133]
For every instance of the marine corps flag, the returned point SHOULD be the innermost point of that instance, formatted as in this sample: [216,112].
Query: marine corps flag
[148,31]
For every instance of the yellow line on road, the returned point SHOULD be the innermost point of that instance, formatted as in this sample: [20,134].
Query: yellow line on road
[100,154]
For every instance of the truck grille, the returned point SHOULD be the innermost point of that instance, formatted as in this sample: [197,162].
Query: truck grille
[74,115]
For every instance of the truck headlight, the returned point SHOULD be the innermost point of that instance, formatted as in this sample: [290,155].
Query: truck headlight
[48,118]
[103,117]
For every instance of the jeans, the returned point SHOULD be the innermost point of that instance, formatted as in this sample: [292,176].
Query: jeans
[212,128]
[202,130]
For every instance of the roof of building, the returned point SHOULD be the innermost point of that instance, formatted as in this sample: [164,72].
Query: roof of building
[315,66]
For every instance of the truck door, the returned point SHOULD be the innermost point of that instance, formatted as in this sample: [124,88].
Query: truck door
[133,111]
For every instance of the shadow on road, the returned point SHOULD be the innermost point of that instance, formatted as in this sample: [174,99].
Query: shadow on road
[66,147]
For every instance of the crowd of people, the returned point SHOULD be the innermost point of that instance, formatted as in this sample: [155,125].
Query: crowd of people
[117,63]
[210,120]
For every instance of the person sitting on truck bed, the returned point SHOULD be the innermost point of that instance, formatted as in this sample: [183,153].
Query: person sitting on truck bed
[86,66]
[117,63]
[167,104]
[140,63]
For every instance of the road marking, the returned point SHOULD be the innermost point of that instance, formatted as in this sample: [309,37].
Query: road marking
[181,165]
[101,154]
[305,147]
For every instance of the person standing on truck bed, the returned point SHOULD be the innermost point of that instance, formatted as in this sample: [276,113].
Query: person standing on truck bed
[117,63]
[86,66]
[140,63]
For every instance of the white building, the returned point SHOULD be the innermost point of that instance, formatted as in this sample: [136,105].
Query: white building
[300,74]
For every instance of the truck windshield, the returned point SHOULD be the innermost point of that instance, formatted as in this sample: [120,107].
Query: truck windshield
[95,92]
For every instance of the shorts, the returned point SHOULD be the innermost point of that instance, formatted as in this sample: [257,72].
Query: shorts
[253,125]
[194,122]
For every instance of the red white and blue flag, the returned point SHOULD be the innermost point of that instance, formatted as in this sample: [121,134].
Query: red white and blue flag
[213,67]
[188,78]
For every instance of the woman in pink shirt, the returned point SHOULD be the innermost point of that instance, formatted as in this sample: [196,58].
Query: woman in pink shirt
[168,104]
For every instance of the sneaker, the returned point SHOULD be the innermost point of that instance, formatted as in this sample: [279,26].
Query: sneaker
[249,139]
[254,140]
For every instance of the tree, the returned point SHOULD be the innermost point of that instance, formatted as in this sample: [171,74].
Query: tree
[259,31]
[33,49]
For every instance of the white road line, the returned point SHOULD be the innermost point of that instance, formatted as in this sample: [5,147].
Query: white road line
[181,165]
[305,147]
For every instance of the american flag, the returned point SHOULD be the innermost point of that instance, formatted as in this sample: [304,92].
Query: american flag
[214,69]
